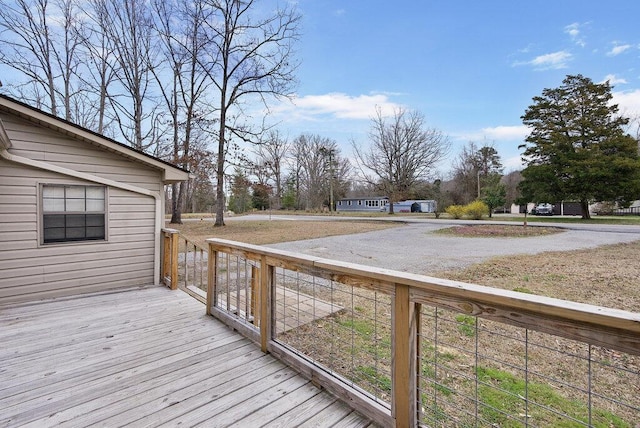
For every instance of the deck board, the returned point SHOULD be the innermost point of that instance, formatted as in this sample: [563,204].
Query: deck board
[146,357]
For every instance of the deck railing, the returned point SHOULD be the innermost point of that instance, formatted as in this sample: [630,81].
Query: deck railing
[184,264]
[169,265]
[411,350]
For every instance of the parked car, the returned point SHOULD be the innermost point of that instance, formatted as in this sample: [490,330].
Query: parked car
[542,209]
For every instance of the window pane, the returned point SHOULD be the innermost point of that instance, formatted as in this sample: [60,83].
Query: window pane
[53,221]
[95,232]
[76,205]
[53,228]
[53,192]
[53,205]
[75,220]
[95,220]
[75,192]
[95,193]
[95,205]
[75,233]
[54,234]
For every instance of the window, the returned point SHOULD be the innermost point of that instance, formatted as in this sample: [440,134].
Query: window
[73,213]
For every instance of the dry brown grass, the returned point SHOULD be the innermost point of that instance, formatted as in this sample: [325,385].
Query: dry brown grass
[498,231]
[604,276]
[273,231]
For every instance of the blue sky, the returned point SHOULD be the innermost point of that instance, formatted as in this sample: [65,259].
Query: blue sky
[471,67]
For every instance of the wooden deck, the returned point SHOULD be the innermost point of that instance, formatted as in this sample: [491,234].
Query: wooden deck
[147,358]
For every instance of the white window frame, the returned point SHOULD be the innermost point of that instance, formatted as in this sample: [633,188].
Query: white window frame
[77,212]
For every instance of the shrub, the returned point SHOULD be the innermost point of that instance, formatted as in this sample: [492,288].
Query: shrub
[455,211]
[604,208]
[476,210]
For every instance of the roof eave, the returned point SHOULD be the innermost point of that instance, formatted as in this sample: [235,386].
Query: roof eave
[171,174]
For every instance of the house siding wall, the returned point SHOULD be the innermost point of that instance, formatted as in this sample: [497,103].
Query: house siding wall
[40,143]
[30,270]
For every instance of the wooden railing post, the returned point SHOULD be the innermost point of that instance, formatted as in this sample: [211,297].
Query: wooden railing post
[403,402]
[175,238]
[166,255]
[266,278]
[170,258]
[212,278]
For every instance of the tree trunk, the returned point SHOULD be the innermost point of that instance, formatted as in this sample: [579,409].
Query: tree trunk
[220,166]
[176,203]
[584,206]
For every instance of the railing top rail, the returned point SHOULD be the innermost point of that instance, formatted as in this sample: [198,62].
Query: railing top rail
[563,317]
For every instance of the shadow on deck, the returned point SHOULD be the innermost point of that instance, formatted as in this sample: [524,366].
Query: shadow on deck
[147,357]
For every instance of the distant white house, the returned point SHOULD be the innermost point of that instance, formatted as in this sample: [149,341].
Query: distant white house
[79,212]
[381,204]
[414,206]
[366,204]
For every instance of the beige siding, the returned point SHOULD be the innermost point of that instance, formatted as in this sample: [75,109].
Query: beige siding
[43,144]
[30,270]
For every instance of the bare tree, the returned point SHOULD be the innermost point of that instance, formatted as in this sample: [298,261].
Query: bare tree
[511,181]
[181,30]
[252,58]
[320,170]
[271,154]
[295,163]
[100,63]
[40,40]
[128,25]
[308,153]
[67,58]
[476,169]
[402,153]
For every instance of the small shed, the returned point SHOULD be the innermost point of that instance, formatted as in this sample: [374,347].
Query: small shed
[79,212]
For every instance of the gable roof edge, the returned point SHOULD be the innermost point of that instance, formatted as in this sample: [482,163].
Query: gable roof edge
[171,173]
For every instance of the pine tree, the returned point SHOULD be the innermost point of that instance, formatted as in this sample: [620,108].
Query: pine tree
[578,149]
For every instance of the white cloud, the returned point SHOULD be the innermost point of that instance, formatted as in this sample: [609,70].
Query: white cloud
[513,163]
[618,49]
[339,12]
[518,132]
[629,102]
[573,30]
[551,61]
[496,134]
[338,105]
[614,80]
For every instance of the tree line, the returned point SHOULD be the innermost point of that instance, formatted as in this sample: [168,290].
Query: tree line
[174,79]
[398,161]
[171,77]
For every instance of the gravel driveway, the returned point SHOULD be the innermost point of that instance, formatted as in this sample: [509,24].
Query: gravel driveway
[413,248]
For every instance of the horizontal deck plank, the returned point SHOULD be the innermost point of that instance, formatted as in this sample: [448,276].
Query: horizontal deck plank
[145,357]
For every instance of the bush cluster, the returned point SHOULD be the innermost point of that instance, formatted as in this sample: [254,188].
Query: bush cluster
[474,210]
[455,211]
